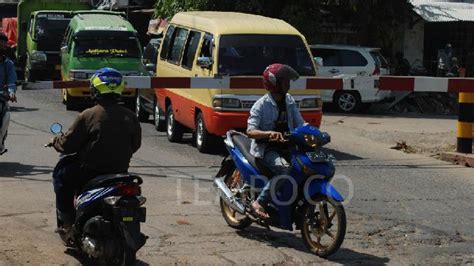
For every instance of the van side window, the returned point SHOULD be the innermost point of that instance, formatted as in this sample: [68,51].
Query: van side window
[330,56]
[206,48]
[166,42]
[191,48]
[352,58]
[177,45]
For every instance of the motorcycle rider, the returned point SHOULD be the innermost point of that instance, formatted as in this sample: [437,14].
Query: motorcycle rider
[272,115]
[104,137]
[7,84]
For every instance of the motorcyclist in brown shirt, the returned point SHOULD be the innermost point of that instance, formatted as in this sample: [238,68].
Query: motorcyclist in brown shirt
[103,137]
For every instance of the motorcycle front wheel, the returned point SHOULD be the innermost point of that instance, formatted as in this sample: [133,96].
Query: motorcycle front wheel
[234,219]
[324,226]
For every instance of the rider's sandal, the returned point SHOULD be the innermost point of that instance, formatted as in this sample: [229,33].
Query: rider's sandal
[261,213]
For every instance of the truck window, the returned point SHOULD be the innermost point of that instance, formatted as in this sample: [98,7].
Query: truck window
[250,54]
[102,46]
[191,48]
[51,26]
[177,45]
[166,42]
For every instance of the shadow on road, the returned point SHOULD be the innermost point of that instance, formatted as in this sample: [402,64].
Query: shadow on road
[23,171]
[20,109]
[84,260]
[284,239]
[342,156]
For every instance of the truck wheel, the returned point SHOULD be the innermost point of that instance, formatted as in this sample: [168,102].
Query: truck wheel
[174,130]
[159,117]
[70,102]
[204,140]
[30,76]
[347,101]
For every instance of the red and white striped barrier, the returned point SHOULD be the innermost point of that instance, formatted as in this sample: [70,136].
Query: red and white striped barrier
[426,84]
[393,83]
[141,82]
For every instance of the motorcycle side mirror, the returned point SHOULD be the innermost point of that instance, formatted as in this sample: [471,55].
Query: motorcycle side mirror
[56,128]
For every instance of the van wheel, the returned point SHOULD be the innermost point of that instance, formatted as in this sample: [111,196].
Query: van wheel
[204,140]
[347,101]
[141,114]
[174,130]
[159,117]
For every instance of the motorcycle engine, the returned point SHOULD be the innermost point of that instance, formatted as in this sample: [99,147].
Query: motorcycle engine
[98,240]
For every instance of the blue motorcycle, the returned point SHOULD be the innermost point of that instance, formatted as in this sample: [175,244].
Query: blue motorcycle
[306,201]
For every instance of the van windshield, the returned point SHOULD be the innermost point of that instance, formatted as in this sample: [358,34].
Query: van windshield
[250,54]
[107,47]
[51,26]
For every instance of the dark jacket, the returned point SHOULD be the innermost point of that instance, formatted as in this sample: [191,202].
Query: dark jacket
[105,137]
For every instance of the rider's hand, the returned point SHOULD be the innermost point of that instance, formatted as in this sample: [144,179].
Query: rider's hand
[12,97]
[276,136]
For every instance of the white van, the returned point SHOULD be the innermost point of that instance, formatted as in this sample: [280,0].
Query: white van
[347,60]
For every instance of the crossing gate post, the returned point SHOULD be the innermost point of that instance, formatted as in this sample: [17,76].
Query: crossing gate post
[465,122]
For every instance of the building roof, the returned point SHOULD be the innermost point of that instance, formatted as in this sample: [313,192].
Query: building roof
[233,23]
[444,11]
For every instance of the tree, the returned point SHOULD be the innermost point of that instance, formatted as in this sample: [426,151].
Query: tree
[376,21]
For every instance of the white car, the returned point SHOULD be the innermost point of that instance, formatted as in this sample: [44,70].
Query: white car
[344,60]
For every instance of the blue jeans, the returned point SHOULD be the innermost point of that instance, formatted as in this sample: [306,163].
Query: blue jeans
[281,167]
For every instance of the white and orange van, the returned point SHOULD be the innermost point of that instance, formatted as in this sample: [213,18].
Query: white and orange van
[225,44]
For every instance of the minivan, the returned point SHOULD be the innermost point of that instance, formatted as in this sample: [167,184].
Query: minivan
[225,44]
[339,60]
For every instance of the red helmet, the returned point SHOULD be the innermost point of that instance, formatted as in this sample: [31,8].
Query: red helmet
[276,72]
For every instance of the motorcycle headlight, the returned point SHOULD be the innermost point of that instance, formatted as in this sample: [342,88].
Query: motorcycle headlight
[311,103]
[311,140]
[226,103]
[38,56]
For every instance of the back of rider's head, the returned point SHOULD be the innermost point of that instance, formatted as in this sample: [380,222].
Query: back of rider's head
[106,85]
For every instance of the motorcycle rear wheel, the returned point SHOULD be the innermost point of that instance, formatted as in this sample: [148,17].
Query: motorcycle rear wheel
[233,218]
[320,218]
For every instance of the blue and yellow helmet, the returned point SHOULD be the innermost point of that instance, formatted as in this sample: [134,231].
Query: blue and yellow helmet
[107,80]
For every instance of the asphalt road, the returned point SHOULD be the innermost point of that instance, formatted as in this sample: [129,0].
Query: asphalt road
[403,208]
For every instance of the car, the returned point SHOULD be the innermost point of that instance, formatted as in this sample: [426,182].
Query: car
[342,60]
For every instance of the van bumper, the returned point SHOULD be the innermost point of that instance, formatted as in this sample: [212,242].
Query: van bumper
[221,122]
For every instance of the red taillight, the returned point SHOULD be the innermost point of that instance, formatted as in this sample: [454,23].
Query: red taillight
[131,189]
[376,70]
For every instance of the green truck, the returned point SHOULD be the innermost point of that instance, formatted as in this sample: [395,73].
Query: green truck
[96,39]
[41,28]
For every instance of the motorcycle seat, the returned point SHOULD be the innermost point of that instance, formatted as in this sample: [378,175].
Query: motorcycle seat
[243,143]
[104,180]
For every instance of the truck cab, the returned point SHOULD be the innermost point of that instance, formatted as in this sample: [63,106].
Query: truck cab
[43,41]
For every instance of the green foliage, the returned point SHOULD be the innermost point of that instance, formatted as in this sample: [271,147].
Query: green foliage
[375,21]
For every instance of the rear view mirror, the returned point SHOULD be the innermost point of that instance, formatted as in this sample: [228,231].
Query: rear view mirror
[150,67]
[319,61]
[204,62]
[56,128]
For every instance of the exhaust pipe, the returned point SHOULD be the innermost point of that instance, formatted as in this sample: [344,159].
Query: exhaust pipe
[227,196]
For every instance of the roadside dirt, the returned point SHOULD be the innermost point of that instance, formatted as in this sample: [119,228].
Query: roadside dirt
[421,134]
